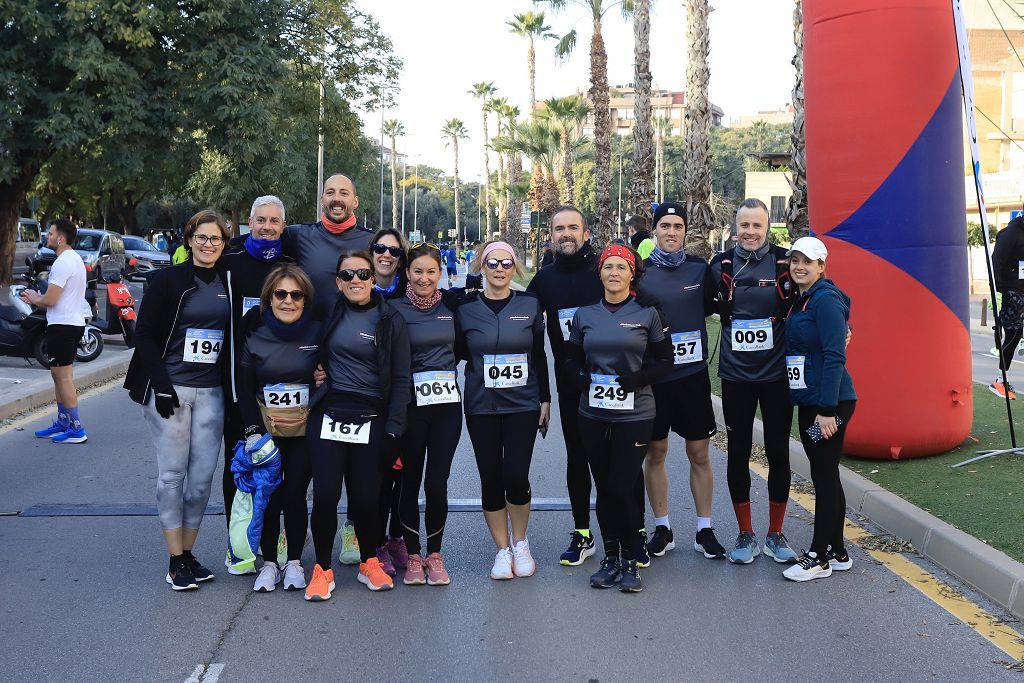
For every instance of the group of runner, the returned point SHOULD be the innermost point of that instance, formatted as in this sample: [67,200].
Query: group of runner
[326,354]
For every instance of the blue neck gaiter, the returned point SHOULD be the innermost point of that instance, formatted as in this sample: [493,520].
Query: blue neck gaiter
[263,250]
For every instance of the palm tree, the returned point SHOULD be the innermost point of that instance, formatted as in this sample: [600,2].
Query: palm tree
[641,194]
[513,175]
[393,128]
[697,169]
[455,130]
[599,95]
[662,127]
[567,113]
[497,106]
[484,91]
[531,25]
[797,222]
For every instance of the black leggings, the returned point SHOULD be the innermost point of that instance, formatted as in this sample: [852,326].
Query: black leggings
[617,451]
[290,497]
[430,440]
[360,465]
[577,468]
[232,435]
[388,501]
[503,445]
[829,498]
[1011,338]
[739,404]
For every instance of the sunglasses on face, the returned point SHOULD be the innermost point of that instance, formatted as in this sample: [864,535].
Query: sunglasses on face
[379,248]
[505,263]
[282,294]
[212,240]
[363,274]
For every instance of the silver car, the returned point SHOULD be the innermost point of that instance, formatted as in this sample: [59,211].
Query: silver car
[148,258]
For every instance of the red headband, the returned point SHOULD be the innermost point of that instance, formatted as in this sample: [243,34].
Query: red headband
[620,251]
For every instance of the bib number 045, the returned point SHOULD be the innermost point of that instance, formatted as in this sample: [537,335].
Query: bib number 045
[503,371]
[347,432]
[606,393]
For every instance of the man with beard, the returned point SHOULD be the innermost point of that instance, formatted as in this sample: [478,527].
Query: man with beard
[562,287]
[316,246]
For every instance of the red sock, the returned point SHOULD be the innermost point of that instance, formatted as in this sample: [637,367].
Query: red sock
[776,515]
[743,516]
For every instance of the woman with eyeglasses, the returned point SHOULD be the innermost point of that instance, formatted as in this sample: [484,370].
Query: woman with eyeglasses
[357,417]
[608,343]
[177,373]
[500,335]
[274,381]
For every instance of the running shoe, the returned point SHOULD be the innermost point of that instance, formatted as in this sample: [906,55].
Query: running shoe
[373,576]
[321,585]
[437,575]
[580,548]
[398,552]
[200,572]
[661,541]
[608,575]
[282,549]
[629,580]
[384,557]
[808,567]
[51,431]
[776,545]
[839,561]
[1002,390]
[71,435]
[707,544]
[522,559]
[414,574]
[643,558]
[349,544]
[746,548]
[502,568]
[268,579]
[294,576]
[179,576]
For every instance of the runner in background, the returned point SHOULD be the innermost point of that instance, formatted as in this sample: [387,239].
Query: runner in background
[1008,268]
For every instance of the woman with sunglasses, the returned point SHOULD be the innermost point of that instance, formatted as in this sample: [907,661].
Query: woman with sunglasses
[274,380]
[500,334]
[177,373]
[608,342]
[357,417]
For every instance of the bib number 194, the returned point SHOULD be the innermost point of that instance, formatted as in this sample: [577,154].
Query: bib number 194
[202,346]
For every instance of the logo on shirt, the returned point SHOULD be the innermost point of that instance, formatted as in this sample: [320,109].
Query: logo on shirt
[770,282]
[222,296]
[444,317]
[368,337]
[630,325]
[519,317]
[689,287]
[309,347]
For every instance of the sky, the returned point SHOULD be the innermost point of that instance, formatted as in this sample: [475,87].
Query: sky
[447,45]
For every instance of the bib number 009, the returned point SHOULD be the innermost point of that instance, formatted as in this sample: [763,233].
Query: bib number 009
[346,432]
[752,335]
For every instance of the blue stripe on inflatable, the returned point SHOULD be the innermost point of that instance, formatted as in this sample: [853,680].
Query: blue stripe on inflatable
[912,224]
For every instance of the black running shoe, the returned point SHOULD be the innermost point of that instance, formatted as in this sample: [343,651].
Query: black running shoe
[643,558]
[200,572]
[707,544]
[630,581]
[179,575]
[608,575]
[580,548]
[661,541]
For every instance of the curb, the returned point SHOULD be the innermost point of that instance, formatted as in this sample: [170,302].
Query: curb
[44,396]
[990,571]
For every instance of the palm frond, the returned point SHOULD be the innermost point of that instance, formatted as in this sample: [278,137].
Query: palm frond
[566,44]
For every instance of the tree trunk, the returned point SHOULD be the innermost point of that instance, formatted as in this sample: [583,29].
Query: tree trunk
[514,167]
[602,137]
[12,196]
[487,175]
[567,176]
[536,197]
[641,192]
[394,186]
[458,240]
[236,225]
[797,222]
[531,67]
[501,194]
[697,169]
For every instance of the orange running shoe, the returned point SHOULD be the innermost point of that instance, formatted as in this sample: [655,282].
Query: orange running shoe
[321,585]
[373,576]
[1001,390]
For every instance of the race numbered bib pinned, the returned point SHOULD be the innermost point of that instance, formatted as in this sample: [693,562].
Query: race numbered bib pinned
[286,395]
[795,372]
[433,388]
[505,371]
[249,302]
[1020,270]
[346,432]
[564,320]
[752,335]
[606,393]
[202,346]
[687,347]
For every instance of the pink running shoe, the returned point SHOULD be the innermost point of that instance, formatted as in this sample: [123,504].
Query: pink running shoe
[399,553]
[384,557]
[436,573]
[414,575]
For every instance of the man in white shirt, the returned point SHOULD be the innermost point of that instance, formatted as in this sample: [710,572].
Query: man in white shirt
[65,325]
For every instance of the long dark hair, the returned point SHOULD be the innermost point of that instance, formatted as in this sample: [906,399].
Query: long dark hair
[403,244]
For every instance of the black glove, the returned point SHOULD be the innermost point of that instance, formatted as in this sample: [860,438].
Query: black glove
[166,401]
[647,300]
[628,381]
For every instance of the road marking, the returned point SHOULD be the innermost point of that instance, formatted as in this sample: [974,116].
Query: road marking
[30,417]
[942,594]
[205,674]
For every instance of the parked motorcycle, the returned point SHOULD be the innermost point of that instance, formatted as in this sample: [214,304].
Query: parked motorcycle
[120,314]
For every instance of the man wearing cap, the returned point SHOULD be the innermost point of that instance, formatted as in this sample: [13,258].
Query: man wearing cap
[1008,268]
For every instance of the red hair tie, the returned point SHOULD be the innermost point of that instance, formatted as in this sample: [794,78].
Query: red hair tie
[620,251]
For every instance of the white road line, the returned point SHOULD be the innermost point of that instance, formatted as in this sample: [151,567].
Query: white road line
[197,674]
[206,674]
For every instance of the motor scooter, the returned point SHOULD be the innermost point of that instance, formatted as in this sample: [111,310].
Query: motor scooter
[120,313]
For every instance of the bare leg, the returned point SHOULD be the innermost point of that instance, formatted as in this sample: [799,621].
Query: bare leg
[656,478]
[188,538]
[173,538]
[64,386]
[520,516]
[702,478]
[497,524]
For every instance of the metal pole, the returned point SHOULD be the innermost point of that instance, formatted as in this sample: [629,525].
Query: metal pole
[618,227]
[416,197]
[380,215]
[405,167]
[319,155]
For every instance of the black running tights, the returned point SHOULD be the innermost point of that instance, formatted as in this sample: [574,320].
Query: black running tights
[829,498]
[503,445]
[577,468]
[290,497]
[429,443]
[740,401]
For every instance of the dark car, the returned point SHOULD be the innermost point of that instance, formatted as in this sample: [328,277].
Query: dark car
[148,258]
[101,250]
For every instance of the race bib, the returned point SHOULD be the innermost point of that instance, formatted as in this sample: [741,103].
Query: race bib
[286,395]
[1020,270]
[248,302]
[606,393]
[435,387]
[752,335]
[687,347]
[503,372]
[347,432]
[564,319]
[202,346]
[795,371]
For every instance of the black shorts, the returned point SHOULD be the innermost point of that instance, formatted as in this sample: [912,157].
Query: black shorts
[684,406]
[61,344]
[453,270]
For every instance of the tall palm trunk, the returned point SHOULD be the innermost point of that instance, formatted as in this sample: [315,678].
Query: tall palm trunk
[487,175]
[641,192]
[567,176]
[797,222]
[697,169]
[514,167]
[661,165]
[531,68]
[602,136]
[394,186]
[458,234]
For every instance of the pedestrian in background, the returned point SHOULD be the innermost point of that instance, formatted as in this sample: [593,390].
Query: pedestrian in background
[1008,268]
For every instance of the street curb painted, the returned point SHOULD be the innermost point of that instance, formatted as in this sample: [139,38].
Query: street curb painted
[86,374]
[994,573]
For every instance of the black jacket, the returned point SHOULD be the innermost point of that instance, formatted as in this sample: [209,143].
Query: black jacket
[165,296]
[1007,256]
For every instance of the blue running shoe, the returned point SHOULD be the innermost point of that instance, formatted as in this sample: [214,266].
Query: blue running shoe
[580,548]
[746,548]
[776,545]
[71,435]
[51,431]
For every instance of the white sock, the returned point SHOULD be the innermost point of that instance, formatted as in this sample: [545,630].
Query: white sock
[662,521]
[703,523]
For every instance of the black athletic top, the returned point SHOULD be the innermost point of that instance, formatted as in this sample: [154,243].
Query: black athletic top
[431,335]
[197,340]
[316,249]
[352,352]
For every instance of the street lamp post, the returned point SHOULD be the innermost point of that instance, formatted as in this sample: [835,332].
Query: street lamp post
[405,167]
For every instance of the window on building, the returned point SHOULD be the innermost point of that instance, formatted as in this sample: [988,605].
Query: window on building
[628,114]
[778,210]
[1017,103]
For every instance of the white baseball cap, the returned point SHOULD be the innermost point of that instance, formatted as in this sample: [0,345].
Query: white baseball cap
[811,247]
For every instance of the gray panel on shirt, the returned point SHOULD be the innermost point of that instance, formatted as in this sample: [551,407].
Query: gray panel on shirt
[197,339]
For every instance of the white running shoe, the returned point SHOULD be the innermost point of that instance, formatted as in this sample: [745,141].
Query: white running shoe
[808,567]
[522,562]
[268,578]
[502,568]
[294,576]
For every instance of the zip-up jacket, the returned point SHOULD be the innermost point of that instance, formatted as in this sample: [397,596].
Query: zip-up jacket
[1008,257]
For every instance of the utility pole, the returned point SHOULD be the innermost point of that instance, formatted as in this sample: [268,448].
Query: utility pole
[618,226]
[416,196]
[319,156]
[380,216]
[405,167]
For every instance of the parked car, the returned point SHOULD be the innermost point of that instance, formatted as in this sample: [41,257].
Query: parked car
[148,258]
[101,250]
[28,240]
